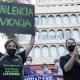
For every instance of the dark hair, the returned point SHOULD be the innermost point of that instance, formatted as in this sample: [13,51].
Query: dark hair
[44,64]
[11,40]
[29,58]
[78,44]
[68,40]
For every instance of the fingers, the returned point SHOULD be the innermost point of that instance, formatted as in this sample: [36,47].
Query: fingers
[76,50]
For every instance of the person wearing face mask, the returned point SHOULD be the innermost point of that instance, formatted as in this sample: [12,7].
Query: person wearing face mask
[45,68]
[27,68]
[12,63]
[70,63]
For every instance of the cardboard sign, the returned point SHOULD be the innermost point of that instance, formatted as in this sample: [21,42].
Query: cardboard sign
[16,18]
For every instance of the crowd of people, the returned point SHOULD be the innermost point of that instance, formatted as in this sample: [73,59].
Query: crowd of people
[68,65]
[28,71]
[12,62]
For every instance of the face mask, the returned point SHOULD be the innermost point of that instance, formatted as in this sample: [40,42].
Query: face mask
[45,70]
[71,47]
[28,62]
[11,52]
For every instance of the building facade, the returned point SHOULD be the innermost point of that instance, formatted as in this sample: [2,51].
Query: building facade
[56,21]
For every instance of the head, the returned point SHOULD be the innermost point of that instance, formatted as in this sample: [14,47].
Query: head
[78,45]
[56,60]
[53,71]
[70,44]
[11,46]
[29,60]
[45,65]
[45,68]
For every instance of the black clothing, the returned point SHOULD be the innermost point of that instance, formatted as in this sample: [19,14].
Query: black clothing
[74,73]
[11,68]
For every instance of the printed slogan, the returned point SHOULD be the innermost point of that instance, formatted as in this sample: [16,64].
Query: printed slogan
[16,18]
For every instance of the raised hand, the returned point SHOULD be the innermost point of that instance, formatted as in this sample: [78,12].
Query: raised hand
[76,53]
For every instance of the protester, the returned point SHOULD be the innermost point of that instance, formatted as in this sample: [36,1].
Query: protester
[70,63]
[11,63]
[45,68]
[27,68]
[58,70]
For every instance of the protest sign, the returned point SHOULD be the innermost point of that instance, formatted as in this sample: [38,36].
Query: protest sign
[39,77]
[16,18]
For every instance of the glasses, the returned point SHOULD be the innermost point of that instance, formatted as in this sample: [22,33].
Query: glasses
[29,60]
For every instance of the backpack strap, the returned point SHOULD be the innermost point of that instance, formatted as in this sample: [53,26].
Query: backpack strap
[2,57]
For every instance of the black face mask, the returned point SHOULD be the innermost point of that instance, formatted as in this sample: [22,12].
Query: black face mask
[11,52]
[71,47]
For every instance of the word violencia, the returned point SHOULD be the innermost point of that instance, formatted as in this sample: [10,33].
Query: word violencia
[15,10]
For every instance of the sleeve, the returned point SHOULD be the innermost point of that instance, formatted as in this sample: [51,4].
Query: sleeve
[63,61]
[22,55]
[1,54]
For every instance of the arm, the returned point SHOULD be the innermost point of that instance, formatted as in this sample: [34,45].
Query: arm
[67,67]
[25,52]
[70,63]
[30,45]
[67,62]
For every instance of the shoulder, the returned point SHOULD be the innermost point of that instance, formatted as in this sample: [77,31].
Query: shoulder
[22,55]
[66,56]
[63,61]
[1,54]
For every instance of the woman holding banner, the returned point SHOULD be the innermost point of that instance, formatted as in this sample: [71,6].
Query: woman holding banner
[11,63]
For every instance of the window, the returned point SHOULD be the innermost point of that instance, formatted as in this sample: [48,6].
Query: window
[65,19]
[44,35]
[28,36]
[61,50]
[50,20]
[51,35]
[76,34]
[45,51]
[79,18]
[43,20]
[58,20]
[73,19]
[38,37]
[22,37]
[67,33]
[53,51]
[37,52]
[60,34]
[36,20]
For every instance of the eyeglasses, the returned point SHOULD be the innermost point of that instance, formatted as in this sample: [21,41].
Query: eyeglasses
[29,60]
